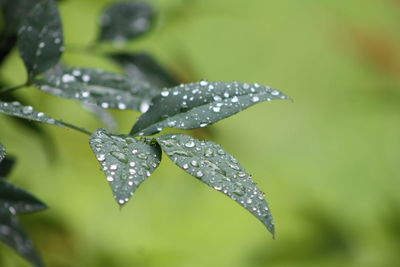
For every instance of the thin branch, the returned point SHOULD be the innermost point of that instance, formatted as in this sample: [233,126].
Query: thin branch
[74,127]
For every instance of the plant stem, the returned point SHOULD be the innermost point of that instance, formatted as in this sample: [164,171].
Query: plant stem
[10,89]
[71,126]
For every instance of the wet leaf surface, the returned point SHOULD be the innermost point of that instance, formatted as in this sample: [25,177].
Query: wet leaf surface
[218,169]
[26,112]
[17,200]
[196,105]
[125,161]
[99,87]
[40,38]
[12,234]
[124,21]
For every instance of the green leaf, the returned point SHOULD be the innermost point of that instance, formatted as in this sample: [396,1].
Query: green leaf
[143,67]
[40,38]
[213,166]
[3,152]
[12,234]
[13,12]
[125,21]
[195,105]
[99,87]
[26,112]
[125,161]
[16,200]
[6,166]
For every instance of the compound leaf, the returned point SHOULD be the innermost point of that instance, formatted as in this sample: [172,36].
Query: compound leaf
[213,166]
[143,67]
[26,112]
[12,234]
[99,87]
[125,161]
[196,105]
[40,38]
[16,200]
[125,21]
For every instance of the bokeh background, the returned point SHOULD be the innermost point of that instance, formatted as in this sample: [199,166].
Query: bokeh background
[328,161]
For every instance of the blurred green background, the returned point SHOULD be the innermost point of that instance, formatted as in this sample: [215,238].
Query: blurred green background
[328,162]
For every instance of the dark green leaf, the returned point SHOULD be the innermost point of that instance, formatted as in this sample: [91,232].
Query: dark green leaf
[6,166]
[40,38]
[26,112]
[3,152]
[99,87]
[13,12]
[199,104]
[126,161]
[125,21]
[12,234]
[213,166]
[144,67]
[16,200]
[103,115]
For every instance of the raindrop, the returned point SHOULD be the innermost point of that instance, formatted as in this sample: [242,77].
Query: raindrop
[27,110]
[235,99]
[113,167]
[110,178]
[255,99]
[194,163]
[216,109]
[274,92]
[165,93]
[190,144]
[101,157]
[199,174]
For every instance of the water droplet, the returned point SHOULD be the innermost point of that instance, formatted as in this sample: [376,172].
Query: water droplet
[101,157]
[105,105]
[246,86]
[203,83]
[185,166]
[110,178]
[190,144]
[235,99]
[255,99]
[216,109]
[199,174]
[113,167]
[209,152]
[121,201]
[27,110]
[132,164]
[67,78]
[218,187]
[274,92]
[194,163]
[141,156]
[86,78]
[217,98]
[121,106]
[165,93]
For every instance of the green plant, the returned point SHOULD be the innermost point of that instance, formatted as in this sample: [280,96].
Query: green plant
[126,159]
